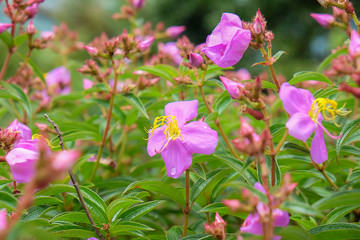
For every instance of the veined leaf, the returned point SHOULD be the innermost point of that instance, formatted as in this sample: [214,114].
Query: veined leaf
[309,76]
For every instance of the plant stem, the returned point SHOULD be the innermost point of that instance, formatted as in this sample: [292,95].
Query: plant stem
[281,143]
[187,205]
[272,151]
[217,123]
[122,150]
[356,20]
[321,169]
[102,144]
[75,183]
[5,65]
[271,68]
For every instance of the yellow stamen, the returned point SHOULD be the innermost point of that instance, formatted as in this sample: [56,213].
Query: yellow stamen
[171,132]
[328,108]
[38,136]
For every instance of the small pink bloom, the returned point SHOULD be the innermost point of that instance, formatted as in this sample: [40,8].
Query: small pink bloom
[354,46]
[58,82]
[31,28]
[25,131]
[175,31]
[5,26]
[32,10]
[22,160]
[177,140]
[3,219]
[246,129]
[324,20]
[196,59]
[91,50]
[87,83]
[138,4]
[228,41]
[47,35]
[232,87]
[65,159]
[218,219]
[145,44]
[171,50]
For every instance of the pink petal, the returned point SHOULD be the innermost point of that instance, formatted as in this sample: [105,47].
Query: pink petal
[294,99]
[22,164]
[230,23]
[5,26]
[156,142]
[259,187]
[183,110]
[177,159]
[354,46]
[324,20]
[232,87]
[25,131]
[281,218]
[318,150]
[199,137]
[65,159]
[3,219]
[300,126]
[215,52]
[252,225]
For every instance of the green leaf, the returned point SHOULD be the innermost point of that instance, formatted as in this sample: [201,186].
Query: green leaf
[7,39]
[337,213]
[222,210]
[37,70]
[348,130]
[174,233]
[294,233]
[8,201]
[336,231]
[73,217]
[268,161]
[222,102]
[212,178]
[136,102]
[47,200]
[17,91]
[237,165]
[278,55]
[72,231]
[139,210]
[19,40]
[159,187]
[267,84]
[164,71]
[4,183]
[309,76]
[339,199]
[118,206]
[198,170]
[301,208]
[332,56]
[198,237]
[8,95]
[129,226]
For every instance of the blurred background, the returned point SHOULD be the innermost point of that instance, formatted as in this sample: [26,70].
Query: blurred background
[304,40]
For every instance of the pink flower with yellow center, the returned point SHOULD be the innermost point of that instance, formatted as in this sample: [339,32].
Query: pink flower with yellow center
[177,139]
[306,114]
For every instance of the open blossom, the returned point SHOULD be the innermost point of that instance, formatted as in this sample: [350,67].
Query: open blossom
[324,20]
[228,41]
[58,82]
[5,26]
[253,224]
[177,140]
[3,219]
[232,87]
[354,46]
[23,130]
[22,160]
[306,114]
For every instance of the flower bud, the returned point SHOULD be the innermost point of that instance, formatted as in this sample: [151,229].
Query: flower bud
[5,26]
[31,30]
[138,4]
[31,10]
[47,35]
[91,50]
[354,46]
[196,59]
[145,44]
[324,20]
[175,31]
[87,83]
[232,87]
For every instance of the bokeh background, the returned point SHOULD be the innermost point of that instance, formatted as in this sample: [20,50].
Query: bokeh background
[305,42]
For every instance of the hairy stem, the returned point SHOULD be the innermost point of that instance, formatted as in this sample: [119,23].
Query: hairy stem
[74,181]
[108,120]
[187,205]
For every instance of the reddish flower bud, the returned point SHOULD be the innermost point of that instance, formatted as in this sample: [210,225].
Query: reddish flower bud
[175,31]
[324,20]
[138,4]
[91,50]
[145,44]
[232,87]
[31,30]
[196,59]
[31,10]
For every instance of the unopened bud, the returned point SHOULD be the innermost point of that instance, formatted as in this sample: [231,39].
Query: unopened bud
[324,20]
[175,31]
[145,45]
[196,59]
[138,4]
[5,26]
[31,30]
[91,50]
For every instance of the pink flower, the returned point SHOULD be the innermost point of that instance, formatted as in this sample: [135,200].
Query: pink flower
[3,219]
[32,10]
[65,160]
[31,28]
[252,223]
[306,114]
[145,44]
[171,50]
[196,59]
[177,140]
[22,160]
[91,50]
[324,20]
[243,74]
[58,82]
[87,83]
[228,41]
[354,46]
[175,31]
[5,26]
[232,87]
[138,4]
[24,131]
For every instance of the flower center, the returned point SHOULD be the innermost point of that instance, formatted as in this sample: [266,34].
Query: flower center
[328,108]
[171,132]
[39,136]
